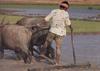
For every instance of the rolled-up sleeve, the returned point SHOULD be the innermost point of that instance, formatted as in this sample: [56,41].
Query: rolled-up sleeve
[48,17]
[67,20]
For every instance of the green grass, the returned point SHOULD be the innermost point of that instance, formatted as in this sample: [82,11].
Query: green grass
[14,5]
[85,26]
[79,26]
[28,6]
[86,6]
[10,19]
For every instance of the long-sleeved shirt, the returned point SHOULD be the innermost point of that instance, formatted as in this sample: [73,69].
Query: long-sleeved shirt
[59,21]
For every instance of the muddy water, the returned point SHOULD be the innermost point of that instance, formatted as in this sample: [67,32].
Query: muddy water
[87,48]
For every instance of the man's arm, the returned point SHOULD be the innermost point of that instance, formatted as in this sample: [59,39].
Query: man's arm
[71,28]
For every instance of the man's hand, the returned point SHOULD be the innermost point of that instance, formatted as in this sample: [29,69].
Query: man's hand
[43,21]
[71,28]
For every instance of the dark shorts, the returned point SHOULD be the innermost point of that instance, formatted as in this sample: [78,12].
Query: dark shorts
[52,36]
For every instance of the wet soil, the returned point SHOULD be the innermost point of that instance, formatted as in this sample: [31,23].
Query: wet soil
[9,63]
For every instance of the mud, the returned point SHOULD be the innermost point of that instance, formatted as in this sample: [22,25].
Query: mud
[9,63]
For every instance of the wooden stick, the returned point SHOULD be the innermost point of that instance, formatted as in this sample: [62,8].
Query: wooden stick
[72,44]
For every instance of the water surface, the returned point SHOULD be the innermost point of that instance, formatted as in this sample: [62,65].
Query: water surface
[80,13]
[87,48]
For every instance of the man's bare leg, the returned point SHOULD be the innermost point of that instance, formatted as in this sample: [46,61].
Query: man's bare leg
[58,50]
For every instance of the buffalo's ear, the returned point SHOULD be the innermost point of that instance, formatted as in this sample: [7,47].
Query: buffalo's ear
[34,29]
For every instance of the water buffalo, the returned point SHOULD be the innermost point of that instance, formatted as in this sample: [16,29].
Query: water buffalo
[29,22]
[39,34]
[16,38]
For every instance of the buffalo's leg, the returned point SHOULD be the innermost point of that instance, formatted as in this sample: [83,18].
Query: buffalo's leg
[27,57]
[31,50]
[50,52]
[18,54]
[1,49]
[1,52]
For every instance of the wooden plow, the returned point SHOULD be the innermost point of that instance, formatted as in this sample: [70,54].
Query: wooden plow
[61,67]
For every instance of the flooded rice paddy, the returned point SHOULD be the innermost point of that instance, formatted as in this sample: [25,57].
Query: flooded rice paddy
[76,13]
[87,49]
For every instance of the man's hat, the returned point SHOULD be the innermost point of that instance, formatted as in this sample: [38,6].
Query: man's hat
[64,4]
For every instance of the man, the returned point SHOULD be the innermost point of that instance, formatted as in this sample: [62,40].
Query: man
[59,20]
